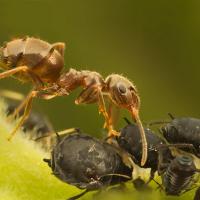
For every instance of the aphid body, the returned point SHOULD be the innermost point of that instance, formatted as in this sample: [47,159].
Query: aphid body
[130,140]
[36,126]
[87,163]
[184,130]
[179,175]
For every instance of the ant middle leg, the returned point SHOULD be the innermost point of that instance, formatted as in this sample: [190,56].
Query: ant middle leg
[93,94]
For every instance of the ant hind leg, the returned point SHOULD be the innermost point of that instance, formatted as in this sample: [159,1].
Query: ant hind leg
[28,106]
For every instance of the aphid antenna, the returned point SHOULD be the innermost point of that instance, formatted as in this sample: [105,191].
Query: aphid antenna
[127,120]
[171,116]
[190,146]
[119,175]
[153,123]
[78,196]
[58,134]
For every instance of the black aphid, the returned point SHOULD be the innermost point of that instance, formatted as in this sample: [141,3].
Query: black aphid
[179,175]
[183,130]
[87,163]
[37,125]
[130,140]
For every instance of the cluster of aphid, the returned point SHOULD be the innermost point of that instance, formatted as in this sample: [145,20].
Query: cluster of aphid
[83,160]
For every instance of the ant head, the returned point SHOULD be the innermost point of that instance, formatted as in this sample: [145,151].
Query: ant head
[122,92]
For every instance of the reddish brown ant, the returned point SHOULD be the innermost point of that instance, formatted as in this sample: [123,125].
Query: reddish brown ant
[35,60]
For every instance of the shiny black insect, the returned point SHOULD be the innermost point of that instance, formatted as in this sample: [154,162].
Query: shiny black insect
[130,140]
[183,130]
[197,194]
[178,176]
[36,126]
[87,163]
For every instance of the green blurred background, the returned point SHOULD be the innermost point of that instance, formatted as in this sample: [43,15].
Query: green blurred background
[154,43]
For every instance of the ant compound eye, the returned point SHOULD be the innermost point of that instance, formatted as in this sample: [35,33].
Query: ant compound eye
[121,88]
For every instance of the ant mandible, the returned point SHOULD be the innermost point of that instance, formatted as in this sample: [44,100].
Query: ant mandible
[34,60]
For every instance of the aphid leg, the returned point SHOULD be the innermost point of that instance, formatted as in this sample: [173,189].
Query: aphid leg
[128,160]
[162,164]
[160,187]
[48,161]
[28,105]
[108,120]
[78,196]
[136,117]
[151,177]
[13,71]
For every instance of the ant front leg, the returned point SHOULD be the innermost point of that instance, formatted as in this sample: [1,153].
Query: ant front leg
[13,71]
[108,118]
[23,69]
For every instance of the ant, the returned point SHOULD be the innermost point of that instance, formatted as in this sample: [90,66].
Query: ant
[34,60]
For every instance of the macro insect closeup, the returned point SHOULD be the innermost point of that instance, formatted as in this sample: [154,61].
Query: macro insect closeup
[33,60]
[87,89]
[87,163]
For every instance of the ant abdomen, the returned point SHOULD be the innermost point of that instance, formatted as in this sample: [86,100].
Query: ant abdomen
[43,59]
